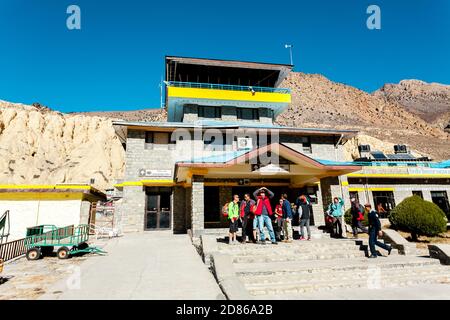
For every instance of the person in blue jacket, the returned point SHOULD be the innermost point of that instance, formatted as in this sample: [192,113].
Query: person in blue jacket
[336,211]
[374,232]
[287,219]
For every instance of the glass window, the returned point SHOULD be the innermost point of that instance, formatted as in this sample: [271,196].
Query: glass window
[418,193]
[306,141]
[384,202]
[441,199]
[209,112]
[149,137]
[247,114]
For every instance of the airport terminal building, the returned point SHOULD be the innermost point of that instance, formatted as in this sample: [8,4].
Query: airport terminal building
[220,139]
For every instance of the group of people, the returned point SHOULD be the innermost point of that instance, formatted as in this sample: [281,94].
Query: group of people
[258,214]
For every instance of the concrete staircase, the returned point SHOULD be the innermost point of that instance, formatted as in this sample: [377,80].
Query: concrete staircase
[309,268]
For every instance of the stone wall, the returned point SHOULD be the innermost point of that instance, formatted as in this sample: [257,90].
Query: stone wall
[133,209]
[197,206]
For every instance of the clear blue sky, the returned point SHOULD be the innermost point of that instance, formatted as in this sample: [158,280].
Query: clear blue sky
[115,61]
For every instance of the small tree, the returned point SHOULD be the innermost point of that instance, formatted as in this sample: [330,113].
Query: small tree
[419,217]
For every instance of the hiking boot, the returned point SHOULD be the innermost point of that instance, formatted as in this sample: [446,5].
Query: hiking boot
[274,242]
[309,239]
[389,250]
[372,256]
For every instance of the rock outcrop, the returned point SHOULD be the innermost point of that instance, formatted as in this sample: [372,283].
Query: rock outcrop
[39,146]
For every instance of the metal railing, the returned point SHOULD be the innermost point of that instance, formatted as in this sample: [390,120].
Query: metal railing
[12,249]
[230,87]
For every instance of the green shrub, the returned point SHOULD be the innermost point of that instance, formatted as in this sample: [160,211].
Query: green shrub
[348,218]
[419,217]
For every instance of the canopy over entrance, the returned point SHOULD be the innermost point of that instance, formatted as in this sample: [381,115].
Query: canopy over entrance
[275,162]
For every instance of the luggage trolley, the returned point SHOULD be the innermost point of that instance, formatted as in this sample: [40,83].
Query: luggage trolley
[42,240]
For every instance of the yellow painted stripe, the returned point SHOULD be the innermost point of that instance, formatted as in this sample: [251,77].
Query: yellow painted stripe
[396,175]
[152,182]
[371,189]
[41,196]
[217,94]
[381,189]
[344,183]
[43,186]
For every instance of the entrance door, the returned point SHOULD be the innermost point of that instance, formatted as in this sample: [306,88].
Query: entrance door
[440,198]
[157,213]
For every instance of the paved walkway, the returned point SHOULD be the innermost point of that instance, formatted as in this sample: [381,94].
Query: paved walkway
[152,265]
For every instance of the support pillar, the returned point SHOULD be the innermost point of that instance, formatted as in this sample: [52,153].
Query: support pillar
[197,206]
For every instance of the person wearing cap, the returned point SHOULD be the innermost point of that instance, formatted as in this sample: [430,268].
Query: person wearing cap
[262,214]
[375,232]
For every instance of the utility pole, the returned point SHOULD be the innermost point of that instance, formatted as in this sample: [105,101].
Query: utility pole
[290,46]
[161,93]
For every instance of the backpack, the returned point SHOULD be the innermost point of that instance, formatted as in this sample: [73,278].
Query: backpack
[225,210]
[360,214]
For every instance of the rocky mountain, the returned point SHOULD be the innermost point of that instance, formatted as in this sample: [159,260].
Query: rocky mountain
[41,146]
[430,101]
[319,102]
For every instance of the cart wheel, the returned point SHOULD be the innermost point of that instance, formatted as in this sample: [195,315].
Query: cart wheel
[47,250]
[63,253]
[33,254]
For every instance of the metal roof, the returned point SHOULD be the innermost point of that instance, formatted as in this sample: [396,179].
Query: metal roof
[231,125]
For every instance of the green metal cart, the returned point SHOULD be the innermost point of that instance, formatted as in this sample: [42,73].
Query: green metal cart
[42,240]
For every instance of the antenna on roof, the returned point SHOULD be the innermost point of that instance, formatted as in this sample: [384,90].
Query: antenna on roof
[290,46]
[161,93]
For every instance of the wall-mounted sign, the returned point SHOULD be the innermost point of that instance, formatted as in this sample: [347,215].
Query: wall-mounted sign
[271,168]
[155,173]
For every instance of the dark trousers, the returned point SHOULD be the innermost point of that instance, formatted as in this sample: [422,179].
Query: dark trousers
[373,241]
[278,226]
[358,225]
[244,221]
[337,227]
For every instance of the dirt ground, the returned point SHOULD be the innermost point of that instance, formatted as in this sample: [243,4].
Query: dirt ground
[424,241]
[31,279]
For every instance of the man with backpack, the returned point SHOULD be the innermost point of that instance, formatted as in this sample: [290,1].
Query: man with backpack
[357,212]
[233,216]
[375,232]
[287,218]
[262,214]
[246,214]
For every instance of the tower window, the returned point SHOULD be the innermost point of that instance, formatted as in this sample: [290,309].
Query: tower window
[247,114]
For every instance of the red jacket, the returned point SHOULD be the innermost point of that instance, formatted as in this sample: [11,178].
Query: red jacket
[260,202]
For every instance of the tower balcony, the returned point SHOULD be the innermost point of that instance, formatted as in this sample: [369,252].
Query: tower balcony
[179,94]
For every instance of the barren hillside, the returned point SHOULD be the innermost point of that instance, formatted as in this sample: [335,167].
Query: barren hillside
[430,101]
[319,102]
[39,146]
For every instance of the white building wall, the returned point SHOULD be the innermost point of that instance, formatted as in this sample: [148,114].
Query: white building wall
[24,214]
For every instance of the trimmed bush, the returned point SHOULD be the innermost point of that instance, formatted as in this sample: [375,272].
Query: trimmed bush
[419,217]
[348,218]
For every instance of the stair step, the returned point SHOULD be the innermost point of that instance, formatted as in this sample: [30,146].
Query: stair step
[298,288]
[342,275]
[291,257]
[326,266]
